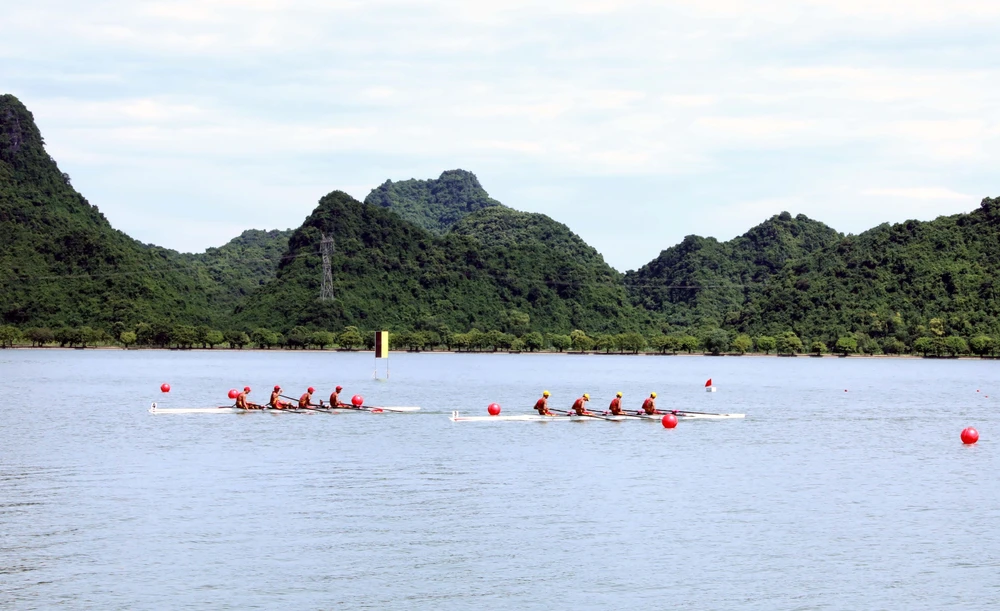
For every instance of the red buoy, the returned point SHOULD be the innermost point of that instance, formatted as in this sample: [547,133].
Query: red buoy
[970,436]
[233,393]
[164,387]
[669,421]
[357,400]
[494,409]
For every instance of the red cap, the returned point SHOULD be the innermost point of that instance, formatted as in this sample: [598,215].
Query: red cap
[277,388]
[311,390]
[340,388]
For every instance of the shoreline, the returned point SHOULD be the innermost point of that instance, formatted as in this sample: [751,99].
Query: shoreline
[511,352]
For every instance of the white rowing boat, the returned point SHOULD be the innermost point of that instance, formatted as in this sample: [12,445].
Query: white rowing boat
[455,417]
[153,409]
[534,418]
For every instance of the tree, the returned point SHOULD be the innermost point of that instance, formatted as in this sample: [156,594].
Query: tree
[351,338]
[40,336]
[460,340]
[925,345]
[893,346]
[117,328]
[788,342]
[846,345]
[661,343]
[955,345]
[237,339]
[298,337]
[981,344]
[144,334]
[560,342]
[580,341]
[213,338]
[717,341]
[184,336]
[127,338]
[936,327]
[322,339]
[517,345]
[494,339]
[688,343]
[817,347]
[533,341]
[742,343]
[604,342]
[88,335]
[201,335]
[632,342]
[9,335]
[766,343]
[263,338]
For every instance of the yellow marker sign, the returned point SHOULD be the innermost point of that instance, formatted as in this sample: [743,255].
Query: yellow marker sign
[381,344]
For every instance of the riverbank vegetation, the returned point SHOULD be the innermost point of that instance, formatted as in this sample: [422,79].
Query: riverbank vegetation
[716,341]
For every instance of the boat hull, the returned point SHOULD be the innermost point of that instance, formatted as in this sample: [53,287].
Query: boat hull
[153,409]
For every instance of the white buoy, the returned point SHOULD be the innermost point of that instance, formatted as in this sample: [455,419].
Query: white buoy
[709,389]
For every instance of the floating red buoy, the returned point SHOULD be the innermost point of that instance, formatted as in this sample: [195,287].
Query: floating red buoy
[164,387]
[357,400]
[970,436]
[233,393]
[669,421]
[494,409]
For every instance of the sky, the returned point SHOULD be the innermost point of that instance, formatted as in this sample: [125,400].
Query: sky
[634,123]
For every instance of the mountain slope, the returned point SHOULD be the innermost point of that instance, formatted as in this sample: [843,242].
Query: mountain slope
[890,281]
[435,204]
[391,273]
[702,280]
[62,263]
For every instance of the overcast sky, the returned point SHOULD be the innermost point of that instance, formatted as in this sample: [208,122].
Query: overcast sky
[635,123]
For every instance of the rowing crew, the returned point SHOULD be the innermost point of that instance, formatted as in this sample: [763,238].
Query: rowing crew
[580,406]
[275,402]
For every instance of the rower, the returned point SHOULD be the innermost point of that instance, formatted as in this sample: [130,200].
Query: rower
[579,407]
[241,400]
[616,405]
[306,398]
[334,398]
[649,405]
[274,402]
[542,405]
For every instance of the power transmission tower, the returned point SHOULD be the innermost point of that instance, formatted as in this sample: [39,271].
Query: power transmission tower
[326,289]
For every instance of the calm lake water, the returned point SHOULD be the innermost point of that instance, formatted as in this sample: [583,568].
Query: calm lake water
[820,499]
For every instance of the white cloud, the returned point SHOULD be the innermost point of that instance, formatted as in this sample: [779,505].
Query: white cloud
[731,105]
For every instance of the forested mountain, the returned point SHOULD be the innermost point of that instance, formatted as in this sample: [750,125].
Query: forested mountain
[704,281]
[498,269]
[899,281]
[434,204]
[440,255]
[243,265]
[62,264]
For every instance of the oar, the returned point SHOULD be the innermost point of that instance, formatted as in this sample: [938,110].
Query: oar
[687,411]
[573,413]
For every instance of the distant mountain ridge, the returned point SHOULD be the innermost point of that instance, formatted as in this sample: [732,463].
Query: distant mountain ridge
[434,204]
[703,280]
[429,254]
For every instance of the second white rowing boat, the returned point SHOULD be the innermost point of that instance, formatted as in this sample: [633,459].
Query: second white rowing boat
[455,417]
[153,409]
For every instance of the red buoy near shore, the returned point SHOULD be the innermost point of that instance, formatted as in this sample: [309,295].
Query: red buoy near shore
[669,421]
[357,400]
[494,409]
[970,436]
[233,393]
[164,387]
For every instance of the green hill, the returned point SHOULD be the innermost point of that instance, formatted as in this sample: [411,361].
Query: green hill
[704,281]
[495,267]
[891,281]
[62,263]
[434,205]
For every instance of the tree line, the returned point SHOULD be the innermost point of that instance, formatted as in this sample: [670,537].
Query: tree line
[712,341]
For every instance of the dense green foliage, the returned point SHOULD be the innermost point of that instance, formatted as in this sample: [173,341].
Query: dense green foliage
[61,262]
[434,205]
[498,268]
[891,283]
[702,280]
[439,263]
